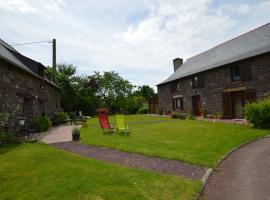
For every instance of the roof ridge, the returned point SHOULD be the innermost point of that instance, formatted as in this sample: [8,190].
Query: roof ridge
[229,40]
[8,46]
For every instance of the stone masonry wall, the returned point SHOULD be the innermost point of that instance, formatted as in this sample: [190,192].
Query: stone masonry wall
[16,85]
[217,81]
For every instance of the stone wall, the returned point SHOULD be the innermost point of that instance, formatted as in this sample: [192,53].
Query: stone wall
[18,86]
[217,81]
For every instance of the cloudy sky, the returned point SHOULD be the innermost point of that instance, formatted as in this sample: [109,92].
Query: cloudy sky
[136,38]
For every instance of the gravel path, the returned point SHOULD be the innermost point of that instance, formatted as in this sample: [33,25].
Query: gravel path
[134,160]
[244,175]
[61,133]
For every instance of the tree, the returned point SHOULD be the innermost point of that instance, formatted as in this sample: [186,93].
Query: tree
[113,89]
[145,91]
[65,78]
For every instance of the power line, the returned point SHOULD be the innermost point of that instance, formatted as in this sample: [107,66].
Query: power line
[49,41]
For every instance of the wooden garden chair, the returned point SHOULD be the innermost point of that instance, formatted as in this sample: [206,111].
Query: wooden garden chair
[121,125]
[104,123]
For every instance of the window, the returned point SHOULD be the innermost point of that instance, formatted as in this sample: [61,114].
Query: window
[178,85]
[178,104]
[197,81]
[235,73]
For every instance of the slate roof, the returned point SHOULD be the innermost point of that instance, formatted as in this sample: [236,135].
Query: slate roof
[250,44]
[11,55]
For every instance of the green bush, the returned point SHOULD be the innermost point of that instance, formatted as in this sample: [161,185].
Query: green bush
[42,123]
[61,117]
[178,115]
[143,110]
[76,134]
[190,116]
[258,113]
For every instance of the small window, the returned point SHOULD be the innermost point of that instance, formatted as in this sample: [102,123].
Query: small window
[178,86]
[235,73]
[195,82]
[178,104]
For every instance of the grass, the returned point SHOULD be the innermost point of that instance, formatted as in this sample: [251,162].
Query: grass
[197,142]
[37,171]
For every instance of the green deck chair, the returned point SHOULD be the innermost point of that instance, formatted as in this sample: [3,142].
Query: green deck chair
[121,125]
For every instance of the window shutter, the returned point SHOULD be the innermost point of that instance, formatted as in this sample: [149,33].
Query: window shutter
[200,81]
[250,95]
[182,103]
[173,104]
[227,105]
[245,72]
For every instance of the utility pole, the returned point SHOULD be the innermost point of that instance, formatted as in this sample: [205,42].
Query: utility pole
[54,57]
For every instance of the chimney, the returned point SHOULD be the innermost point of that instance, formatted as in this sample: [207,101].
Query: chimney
[177,62]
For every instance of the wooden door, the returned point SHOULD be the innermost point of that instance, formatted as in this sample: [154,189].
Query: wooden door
[238,103]
[196,103]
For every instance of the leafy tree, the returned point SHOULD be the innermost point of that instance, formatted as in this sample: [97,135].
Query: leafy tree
[145,91]
[65,77]
[113,89]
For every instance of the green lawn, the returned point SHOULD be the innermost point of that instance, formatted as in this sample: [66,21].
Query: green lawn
[197,142]
[37,171]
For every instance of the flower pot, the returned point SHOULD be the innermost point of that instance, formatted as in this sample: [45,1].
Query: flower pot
[75,137]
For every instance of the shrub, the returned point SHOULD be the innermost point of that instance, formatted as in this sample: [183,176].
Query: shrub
[42,123]
[179,115]
[75,134]
[61,117]
[258,113]
[190,116]
[143,110]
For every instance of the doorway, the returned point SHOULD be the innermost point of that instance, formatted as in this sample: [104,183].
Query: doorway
[238,102]
[196,104]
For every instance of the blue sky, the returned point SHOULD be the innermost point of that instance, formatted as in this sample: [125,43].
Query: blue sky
[136,38]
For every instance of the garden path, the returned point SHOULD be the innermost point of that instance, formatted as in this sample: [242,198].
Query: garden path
[243,175]
[134,160]
[61,133]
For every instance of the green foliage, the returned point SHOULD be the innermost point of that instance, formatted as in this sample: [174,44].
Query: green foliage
[145,91]
[76,134]
[178,115]
[143,110]
[3,119]
[258,113]
[61,117]
[42,123]
[88,105]
[190,116]
[132,104]
[113,89]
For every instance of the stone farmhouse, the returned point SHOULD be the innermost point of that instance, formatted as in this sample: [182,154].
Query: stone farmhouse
[24,91]
[222,79]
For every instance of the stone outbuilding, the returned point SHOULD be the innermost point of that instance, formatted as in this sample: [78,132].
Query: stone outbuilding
[221,80]
[24,90]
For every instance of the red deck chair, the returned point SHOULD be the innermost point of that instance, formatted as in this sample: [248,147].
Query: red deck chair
[104,122]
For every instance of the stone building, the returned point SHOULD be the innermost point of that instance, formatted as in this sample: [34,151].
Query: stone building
[221,80]
[24,91]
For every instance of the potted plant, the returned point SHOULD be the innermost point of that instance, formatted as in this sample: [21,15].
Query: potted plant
[76,134]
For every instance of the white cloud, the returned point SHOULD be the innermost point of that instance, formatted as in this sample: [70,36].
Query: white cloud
[17,6]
